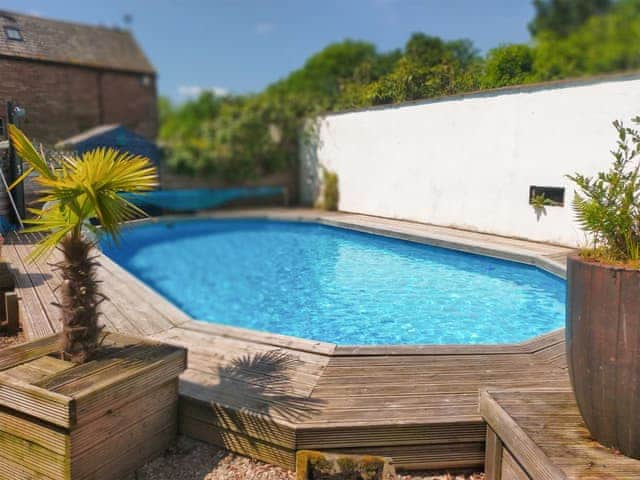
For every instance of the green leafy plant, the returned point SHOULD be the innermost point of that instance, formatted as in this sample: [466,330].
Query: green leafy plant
[331,194]
[80,189]
[508,65]
[608,204]
[540,201]
[560,17]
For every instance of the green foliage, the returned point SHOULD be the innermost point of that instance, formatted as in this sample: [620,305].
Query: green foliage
[236,138]
[540,201]
[508,65]
[605,43]
[323,75]
[79,190]
[430,67]
[426,50]
[233,138]
[560,17]
[331,194]
[608,205]
[410,81]
[82,188]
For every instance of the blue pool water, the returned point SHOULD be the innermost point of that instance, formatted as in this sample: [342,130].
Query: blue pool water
[338,285]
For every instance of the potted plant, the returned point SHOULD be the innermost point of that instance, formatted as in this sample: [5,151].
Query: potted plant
[84,403]
[603,299]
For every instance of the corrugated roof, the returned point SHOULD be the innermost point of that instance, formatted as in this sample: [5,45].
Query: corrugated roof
[72,43]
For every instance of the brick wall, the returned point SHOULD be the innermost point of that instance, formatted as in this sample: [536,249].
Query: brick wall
[126,100]
[63,100]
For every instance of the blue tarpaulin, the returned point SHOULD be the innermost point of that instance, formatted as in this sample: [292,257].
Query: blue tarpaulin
[6,225]
[198,199]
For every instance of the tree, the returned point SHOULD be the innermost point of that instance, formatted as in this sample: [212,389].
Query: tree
[508,65]
[430,67]
[323,75]
[426,50]
[463,51]
[83,188]
[603,44]
[561,17]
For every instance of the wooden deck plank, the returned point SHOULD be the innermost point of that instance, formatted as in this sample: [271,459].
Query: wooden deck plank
[545,433]
[35,316]
[164,313]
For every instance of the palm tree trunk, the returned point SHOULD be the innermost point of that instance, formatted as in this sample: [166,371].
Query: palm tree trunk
[79,299]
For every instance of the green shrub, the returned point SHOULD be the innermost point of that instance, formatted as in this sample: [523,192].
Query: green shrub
[508,65]
[608,205]
[604,43]
[331,195]
[560,17]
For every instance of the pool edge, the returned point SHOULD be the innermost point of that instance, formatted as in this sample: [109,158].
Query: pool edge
[500,251]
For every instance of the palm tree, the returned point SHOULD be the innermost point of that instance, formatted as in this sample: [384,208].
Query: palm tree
[79,189]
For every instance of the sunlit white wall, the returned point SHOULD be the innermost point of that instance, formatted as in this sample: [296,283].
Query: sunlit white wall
[468,161]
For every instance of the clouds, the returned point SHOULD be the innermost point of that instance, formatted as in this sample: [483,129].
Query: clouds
[265,28]
[192,91]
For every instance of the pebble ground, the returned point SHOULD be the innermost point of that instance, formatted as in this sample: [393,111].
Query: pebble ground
[192,460]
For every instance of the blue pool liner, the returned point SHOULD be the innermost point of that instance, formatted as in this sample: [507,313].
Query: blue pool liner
[338,285]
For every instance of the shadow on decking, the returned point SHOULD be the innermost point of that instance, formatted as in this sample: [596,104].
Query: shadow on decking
[31,277]
[253,392]
[269,376]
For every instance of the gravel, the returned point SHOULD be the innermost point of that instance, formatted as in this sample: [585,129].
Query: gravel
[192,460]
[8,341]
[466,475]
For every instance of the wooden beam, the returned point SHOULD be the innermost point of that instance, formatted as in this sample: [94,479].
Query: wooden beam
[12,312]
[493,456]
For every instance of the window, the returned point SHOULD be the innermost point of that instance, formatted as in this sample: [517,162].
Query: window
[2,134]
[13,33]
[554,195]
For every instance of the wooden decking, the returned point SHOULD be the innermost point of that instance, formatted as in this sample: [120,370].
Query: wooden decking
[542,436]
[268,395]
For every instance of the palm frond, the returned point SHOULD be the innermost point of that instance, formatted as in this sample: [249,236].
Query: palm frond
[83,188]
[53,221]
[25,150]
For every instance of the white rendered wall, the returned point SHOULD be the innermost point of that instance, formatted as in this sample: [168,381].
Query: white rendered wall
[468,161]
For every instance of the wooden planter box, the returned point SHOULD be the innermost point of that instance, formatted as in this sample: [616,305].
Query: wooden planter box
[99,420]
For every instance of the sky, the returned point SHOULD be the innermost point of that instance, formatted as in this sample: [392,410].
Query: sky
[241,46]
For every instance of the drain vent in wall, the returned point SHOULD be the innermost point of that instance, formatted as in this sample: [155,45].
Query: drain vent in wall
[555,195]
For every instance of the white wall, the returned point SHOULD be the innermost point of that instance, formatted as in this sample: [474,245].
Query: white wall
[468,161]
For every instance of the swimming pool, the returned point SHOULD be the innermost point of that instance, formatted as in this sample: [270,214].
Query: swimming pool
[337,285]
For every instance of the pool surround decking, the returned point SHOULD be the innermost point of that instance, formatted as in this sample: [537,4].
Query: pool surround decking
[268,395]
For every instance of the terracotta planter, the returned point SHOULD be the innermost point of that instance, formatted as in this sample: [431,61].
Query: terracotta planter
[603,350]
